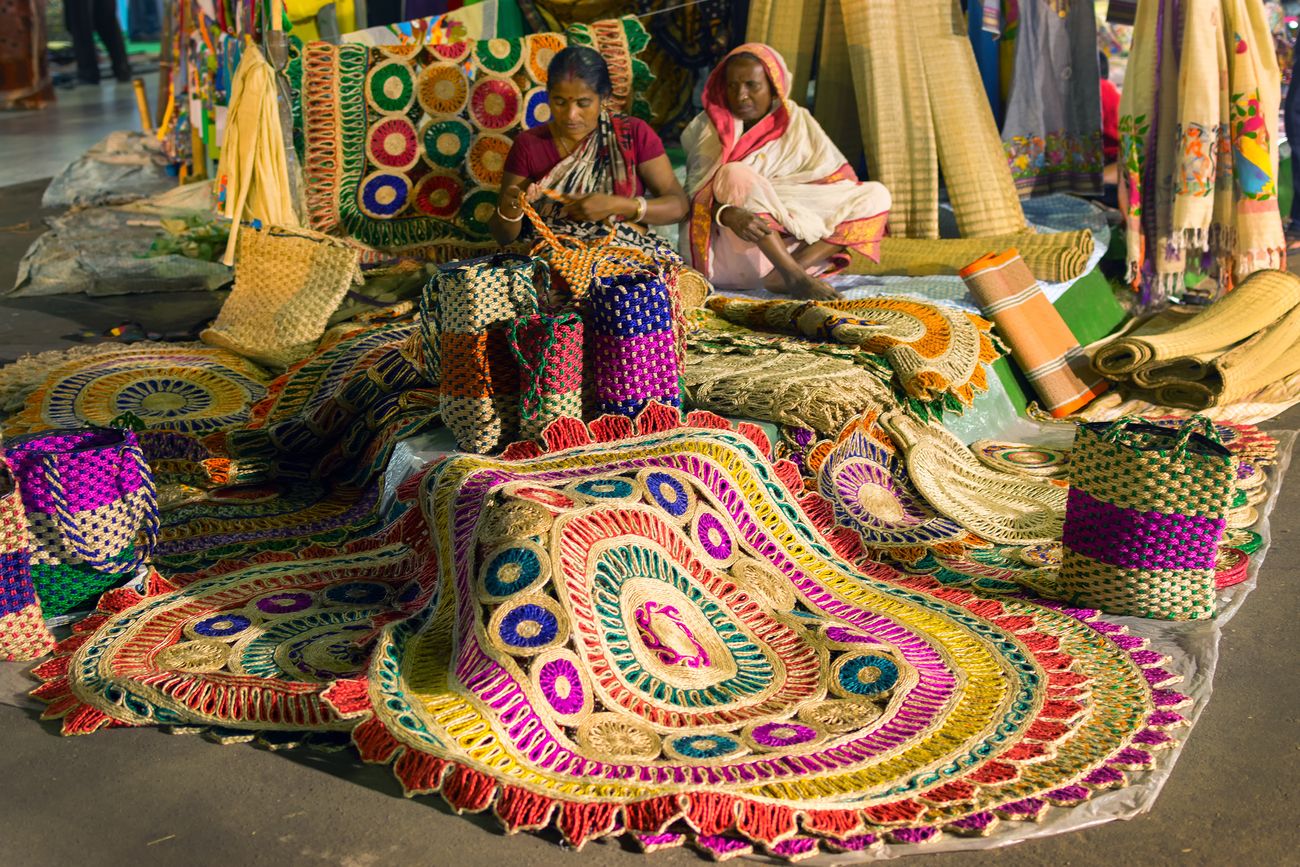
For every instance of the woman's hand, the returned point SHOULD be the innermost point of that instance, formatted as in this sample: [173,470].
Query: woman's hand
[508,197]
[592,208]
[747,225]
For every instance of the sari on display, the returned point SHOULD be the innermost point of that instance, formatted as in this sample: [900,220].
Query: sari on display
[783,168]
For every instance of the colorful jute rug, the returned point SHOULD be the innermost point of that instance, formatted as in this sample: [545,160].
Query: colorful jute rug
[338,413]
[183,387]
[638,630]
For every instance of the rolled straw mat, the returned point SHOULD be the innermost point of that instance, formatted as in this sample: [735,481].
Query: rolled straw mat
[1271,355]
[1258,302]
[1052,257]
[1042,344]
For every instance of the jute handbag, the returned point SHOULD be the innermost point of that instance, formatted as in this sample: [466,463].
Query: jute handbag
[474,304]
[634,346]
[287,284]
[23,634]
[549,352]
[92,511]
[1144,517]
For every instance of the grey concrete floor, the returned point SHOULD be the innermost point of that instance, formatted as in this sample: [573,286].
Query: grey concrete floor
[139,796]
[37,144]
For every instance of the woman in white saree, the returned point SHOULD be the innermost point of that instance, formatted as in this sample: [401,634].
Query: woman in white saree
[773,201]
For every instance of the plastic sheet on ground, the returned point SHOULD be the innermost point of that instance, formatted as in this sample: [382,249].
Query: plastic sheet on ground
[101,251]
[123,167]
[1192,648]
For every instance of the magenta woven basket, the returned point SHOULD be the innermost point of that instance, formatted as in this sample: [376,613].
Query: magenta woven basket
[92,511]
[633,343]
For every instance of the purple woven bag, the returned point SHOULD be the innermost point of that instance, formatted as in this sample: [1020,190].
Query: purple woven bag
[91,508]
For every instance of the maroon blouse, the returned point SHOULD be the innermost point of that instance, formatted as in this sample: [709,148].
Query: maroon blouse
[534,152]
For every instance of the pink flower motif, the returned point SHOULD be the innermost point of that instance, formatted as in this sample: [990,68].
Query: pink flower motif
[1241,45]
[1253,124]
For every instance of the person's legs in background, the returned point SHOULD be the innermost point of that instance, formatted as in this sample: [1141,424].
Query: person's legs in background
[85,18]
[79,18]
[110,33]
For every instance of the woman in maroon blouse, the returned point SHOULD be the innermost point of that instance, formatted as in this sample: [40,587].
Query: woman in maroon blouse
[601,168]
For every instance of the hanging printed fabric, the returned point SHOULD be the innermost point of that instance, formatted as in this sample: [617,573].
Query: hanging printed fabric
[1199,134]
[475,304]
[23,634]
[549,352]
[1052,127]
[1146,511]
[633,349]
[91,509]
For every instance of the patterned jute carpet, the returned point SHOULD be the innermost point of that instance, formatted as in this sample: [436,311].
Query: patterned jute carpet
[649,628]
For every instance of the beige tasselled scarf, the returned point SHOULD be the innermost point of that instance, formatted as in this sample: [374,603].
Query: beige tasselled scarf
[1198,144]
[253,172]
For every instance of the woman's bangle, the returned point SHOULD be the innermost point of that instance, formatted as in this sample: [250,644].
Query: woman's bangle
[506,219]
[717,215]
[641,205]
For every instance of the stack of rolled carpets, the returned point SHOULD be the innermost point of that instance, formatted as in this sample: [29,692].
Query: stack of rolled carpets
[1235,347]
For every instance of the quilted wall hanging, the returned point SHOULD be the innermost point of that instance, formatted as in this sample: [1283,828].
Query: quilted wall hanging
[404,145]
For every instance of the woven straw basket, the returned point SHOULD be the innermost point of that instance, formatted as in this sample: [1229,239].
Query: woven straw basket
[1146,512]
[287,284]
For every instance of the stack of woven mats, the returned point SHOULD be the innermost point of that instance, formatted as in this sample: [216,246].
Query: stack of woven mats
[244,463]
[1228,353]
[652,631]
[836,358]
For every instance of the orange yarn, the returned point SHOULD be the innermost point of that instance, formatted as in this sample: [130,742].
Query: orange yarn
[579,263]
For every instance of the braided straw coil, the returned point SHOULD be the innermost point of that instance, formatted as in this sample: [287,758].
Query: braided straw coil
[1257,303]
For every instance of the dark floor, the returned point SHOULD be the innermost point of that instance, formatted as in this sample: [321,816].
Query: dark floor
[147,798]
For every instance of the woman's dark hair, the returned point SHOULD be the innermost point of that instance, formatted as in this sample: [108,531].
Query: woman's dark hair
[583,63]
[1103,65]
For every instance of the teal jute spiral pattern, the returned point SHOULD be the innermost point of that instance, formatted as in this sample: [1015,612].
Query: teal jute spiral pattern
[91,508]
[1146,511]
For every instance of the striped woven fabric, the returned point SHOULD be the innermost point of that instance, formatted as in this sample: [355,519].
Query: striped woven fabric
[1041,343]
[549,352]
[1146,511]
[23,634]
[476,302]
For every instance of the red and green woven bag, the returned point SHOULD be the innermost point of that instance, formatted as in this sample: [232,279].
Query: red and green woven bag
[549,350]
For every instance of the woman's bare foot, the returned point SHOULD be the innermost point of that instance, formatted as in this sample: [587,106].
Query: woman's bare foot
[804,285]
